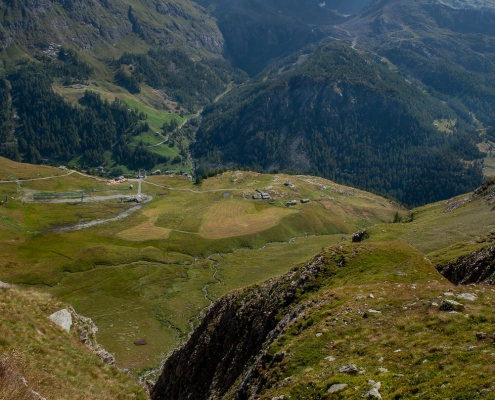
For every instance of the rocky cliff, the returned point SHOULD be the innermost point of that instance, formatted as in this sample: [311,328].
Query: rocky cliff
[476,267]
[337,324]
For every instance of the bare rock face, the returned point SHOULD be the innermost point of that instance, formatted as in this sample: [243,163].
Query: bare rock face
[236,330]
[477,267]
[63,319]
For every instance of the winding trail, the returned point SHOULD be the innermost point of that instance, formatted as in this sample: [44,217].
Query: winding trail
[195,191]
[119,217]
[38,179]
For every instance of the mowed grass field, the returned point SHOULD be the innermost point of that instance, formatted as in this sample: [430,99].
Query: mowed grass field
[236,218]
[151,275]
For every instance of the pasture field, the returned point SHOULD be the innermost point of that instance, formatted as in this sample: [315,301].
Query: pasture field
[152,274]
[445,125]
[11,170]
[433,229]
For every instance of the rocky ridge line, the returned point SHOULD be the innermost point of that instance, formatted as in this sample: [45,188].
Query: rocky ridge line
[238,328]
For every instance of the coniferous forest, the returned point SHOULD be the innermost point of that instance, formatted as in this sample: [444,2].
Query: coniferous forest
[48,127]
[346,118]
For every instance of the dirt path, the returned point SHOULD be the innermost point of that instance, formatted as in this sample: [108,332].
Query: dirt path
[119,217]
[159,143]
[196,191]
[86,199]
[38,179]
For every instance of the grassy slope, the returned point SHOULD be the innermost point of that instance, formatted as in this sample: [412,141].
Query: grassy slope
[433,229]
[425,352]
[54,363]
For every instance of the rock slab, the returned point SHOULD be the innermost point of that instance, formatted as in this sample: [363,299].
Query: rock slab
[350,369]
[63,319]
[337,387]
[374,391]
[451,305]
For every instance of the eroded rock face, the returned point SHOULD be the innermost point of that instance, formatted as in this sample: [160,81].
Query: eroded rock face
[87,334]
[476,267]
[236,329]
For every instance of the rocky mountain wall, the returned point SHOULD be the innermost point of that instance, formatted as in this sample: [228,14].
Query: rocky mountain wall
[235,331]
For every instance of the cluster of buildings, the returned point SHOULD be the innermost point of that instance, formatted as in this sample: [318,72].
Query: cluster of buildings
[294,202]
[265,196]
[182,173]
[261,195]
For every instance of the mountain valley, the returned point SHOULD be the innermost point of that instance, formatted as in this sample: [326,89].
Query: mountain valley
[247,200]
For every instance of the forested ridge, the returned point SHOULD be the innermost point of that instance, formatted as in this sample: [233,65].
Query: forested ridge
[192,83]
[467,90]
[342,116]
[37,123]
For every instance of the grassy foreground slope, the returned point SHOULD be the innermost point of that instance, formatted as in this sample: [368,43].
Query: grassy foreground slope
[152,274]
[377,306]
[36,355]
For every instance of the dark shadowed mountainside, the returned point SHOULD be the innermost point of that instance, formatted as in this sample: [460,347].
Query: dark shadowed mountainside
[343,116]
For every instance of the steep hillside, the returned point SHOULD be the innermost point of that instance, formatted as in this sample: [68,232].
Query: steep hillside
[147,273]
[445,46]
[38,359]
[148,270]
[340,115]
[154,63]
[86,24]
[375,319]
[257,33]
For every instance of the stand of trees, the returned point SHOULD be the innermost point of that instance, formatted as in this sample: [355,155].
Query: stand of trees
[189,82]
[46,126]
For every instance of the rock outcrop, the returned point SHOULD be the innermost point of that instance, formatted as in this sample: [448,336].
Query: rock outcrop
[63,319]
[359,236]
[241,347]
[476,267]
[236,329]
[87,331]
